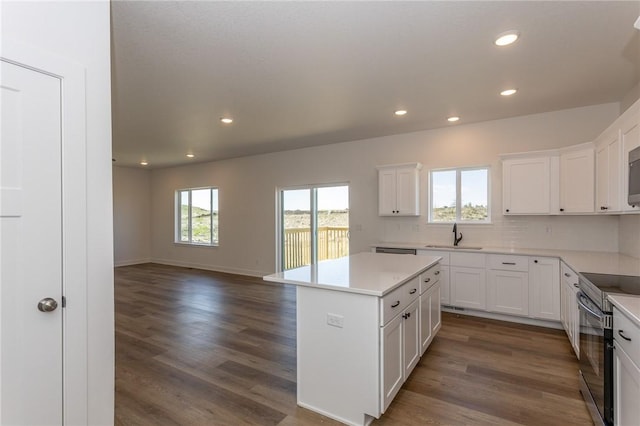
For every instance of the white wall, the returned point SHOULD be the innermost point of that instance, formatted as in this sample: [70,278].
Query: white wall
[248,187]
[131,215]
[80,32]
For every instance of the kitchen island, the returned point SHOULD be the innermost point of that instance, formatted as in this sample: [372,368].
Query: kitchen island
[363,322]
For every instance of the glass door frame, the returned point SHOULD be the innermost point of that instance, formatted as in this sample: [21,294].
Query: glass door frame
[313,205]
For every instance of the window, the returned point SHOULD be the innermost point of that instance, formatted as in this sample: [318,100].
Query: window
[314,225]
[459,195]
[197,216]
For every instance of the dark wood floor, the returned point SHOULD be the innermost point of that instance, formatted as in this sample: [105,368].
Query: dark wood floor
[203,348]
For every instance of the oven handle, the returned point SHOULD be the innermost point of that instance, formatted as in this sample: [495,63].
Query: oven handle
[581,298]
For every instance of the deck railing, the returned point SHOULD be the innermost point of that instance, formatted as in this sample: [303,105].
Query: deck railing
[333,242]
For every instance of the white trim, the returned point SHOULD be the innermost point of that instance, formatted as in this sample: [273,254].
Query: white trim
[131,262]
[74,218]
[502,317]
[207,267]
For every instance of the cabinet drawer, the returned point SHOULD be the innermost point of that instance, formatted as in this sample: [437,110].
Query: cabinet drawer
[443,254]
[622,326]
[395,302]
[429,278]
[468,260]
[508,262]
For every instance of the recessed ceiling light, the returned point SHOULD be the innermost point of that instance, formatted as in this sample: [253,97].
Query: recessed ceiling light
[506,38]
[143,163]
[190,155]
[226,120]
[400,112]
[508,92]
[453,119]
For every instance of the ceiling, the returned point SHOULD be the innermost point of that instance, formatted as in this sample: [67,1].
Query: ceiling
[299,74]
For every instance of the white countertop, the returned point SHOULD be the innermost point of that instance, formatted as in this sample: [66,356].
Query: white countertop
[364,273]
[579,261]
[628,305]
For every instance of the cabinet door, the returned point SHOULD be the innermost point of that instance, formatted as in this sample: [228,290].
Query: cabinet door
[445,292]
[436,314]
[468,287]
[430,316]
[411,331]
[392,360]
[526,186]
[577,174]
[425,320]
[386,192]
[608,173]
[626,392]
[407,191]
[544,288]
[574,320]
[508,292]
[630,135]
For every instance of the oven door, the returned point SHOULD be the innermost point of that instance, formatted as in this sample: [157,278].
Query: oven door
[595,363]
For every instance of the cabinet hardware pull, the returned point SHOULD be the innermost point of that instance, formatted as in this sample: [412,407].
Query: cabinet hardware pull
[507,210]
[408,315]
[395,305]
[413,291]
[576,285]
[535,261]
[427,280]
[561,210]
[623,336]
[509,263]
[436,273]
[566,274]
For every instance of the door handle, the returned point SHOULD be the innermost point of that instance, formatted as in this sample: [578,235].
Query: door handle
[47,305]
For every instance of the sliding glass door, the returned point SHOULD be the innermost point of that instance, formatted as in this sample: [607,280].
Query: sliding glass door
[314,224]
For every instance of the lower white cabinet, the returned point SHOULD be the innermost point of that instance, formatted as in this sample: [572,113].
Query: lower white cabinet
[411,337]
[508,292]
[401,350]
[569,313]
[392,360]
[544,288]
[468,287]
[626,370]
[430,315]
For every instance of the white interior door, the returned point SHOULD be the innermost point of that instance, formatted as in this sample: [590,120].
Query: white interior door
[31,247]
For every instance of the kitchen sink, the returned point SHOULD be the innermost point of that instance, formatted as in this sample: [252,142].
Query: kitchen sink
[453,247]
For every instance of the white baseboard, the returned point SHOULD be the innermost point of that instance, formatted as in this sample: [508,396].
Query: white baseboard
[215,268]
[503,317]
[131,262]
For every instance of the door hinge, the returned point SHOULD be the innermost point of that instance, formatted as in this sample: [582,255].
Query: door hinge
[64,302]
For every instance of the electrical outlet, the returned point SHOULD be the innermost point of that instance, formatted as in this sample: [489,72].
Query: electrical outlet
[335,320]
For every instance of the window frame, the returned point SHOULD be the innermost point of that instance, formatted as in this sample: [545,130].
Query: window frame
[313,219]
[458,218]
[178,217]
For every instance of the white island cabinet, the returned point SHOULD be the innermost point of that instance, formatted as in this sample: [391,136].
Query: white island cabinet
[358,331]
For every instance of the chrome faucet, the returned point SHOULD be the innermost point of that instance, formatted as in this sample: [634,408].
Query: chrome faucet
[456,240]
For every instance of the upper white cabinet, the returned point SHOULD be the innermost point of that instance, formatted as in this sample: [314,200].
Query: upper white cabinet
[577,174]
[630,139]
[549,182]
[526,185]
[399,190]
[612,162]
[608,172]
